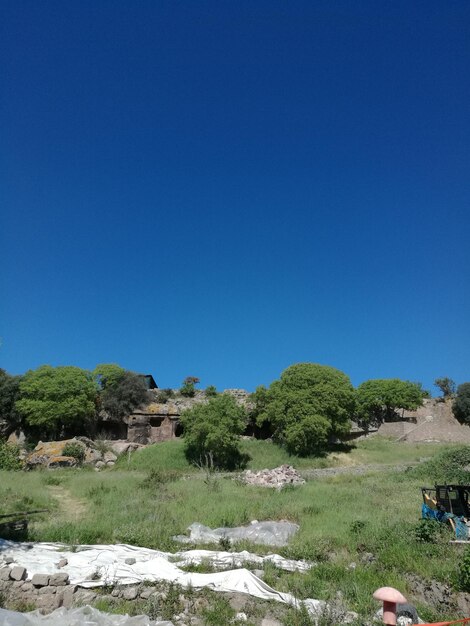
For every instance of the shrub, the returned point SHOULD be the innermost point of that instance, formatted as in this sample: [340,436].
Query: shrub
[429,531]
[461,406]
[447,467]
[9,456]
[211,391]
[75,450]
[188,389]
[212,432]
[163,395]
[464,571]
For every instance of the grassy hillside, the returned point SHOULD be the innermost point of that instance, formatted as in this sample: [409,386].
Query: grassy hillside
[344,519]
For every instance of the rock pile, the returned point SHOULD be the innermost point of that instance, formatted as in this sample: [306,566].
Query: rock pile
[50,454]
[276,478]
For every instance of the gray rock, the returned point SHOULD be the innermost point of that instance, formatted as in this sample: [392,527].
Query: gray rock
[27,587]
[43,590]
[109,456]
[62,563]
[40,580]
[270,621]
[110,463]
[130,593]
[100,464]
[59,579]
[129,561]
[147,592]
[18,573]
[5,573]
[84,596]
[68,595]
[17,584]
[8,560]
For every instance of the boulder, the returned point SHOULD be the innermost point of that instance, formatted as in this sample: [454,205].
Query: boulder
[61,461]
[40,580]
[18,573]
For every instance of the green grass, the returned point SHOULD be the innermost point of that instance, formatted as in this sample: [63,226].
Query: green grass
[169,455]
[157,495]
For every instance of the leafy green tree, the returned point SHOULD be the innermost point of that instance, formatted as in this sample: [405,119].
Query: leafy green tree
[122,393]
[309,404]
[58,400]
[379,399]
[108,374]
[446,385]
[461,406]
[212,432]
[188,388]
[9,394]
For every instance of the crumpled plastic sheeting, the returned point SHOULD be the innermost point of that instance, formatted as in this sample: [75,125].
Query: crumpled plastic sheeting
[99,565]
[265,533]
[84,616]
[222,560]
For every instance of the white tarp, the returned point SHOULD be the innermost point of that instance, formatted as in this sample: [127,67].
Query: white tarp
[265,533]
[98,565]
[84,616]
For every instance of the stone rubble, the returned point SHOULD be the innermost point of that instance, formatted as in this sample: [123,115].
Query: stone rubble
[276,478]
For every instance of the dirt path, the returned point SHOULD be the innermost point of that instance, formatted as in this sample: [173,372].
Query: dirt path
[357,470]
[72,508]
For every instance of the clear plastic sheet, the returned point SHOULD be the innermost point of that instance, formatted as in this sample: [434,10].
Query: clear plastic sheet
[83,616]
[265,533]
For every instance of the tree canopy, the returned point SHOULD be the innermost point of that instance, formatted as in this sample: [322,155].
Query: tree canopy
[9,394]
[446,385]
[306,406]
[461,406]
[379,399]
[122,391]
[57,399]
[212,432]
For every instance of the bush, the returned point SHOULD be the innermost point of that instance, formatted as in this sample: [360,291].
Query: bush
[447,467]
[75,450]
[211,391]
[461,406]
[9,456]
[429,531]
[163,395]
[212,433]
[188,389]
[464,571]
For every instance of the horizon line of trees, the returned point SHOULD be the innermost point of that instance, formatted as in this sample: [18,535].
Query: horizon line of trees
[309,406]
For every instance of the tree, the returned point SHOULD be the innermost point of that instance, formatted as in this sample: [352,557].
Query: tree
[379,399]
[212,432]
[188,388]
[461,406]
[308,404]
[9,394]
[446,385]
[123,392]
[57,399]
[108,374]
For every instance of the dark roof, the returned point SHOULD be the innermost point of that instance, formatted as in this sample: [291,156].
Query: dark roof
[149,381]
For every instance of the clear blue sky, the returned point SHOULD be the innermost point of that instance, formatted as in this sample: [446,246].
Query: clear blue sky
[222,189]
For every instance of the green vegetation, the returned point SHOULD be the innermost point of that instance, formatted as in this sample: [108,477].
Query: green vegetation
[75,450]
[210,391]
[123,393]
[9,394]
[446,385]
[164,395]
[461,406]
[342,518]
[306,406]
[57,399]
[212,431]
[464,571]
[9,456]
[378,400]
[188,388]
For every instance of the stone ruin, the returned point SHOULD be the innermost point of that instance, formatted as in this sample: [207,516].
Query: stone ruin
[276,478]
